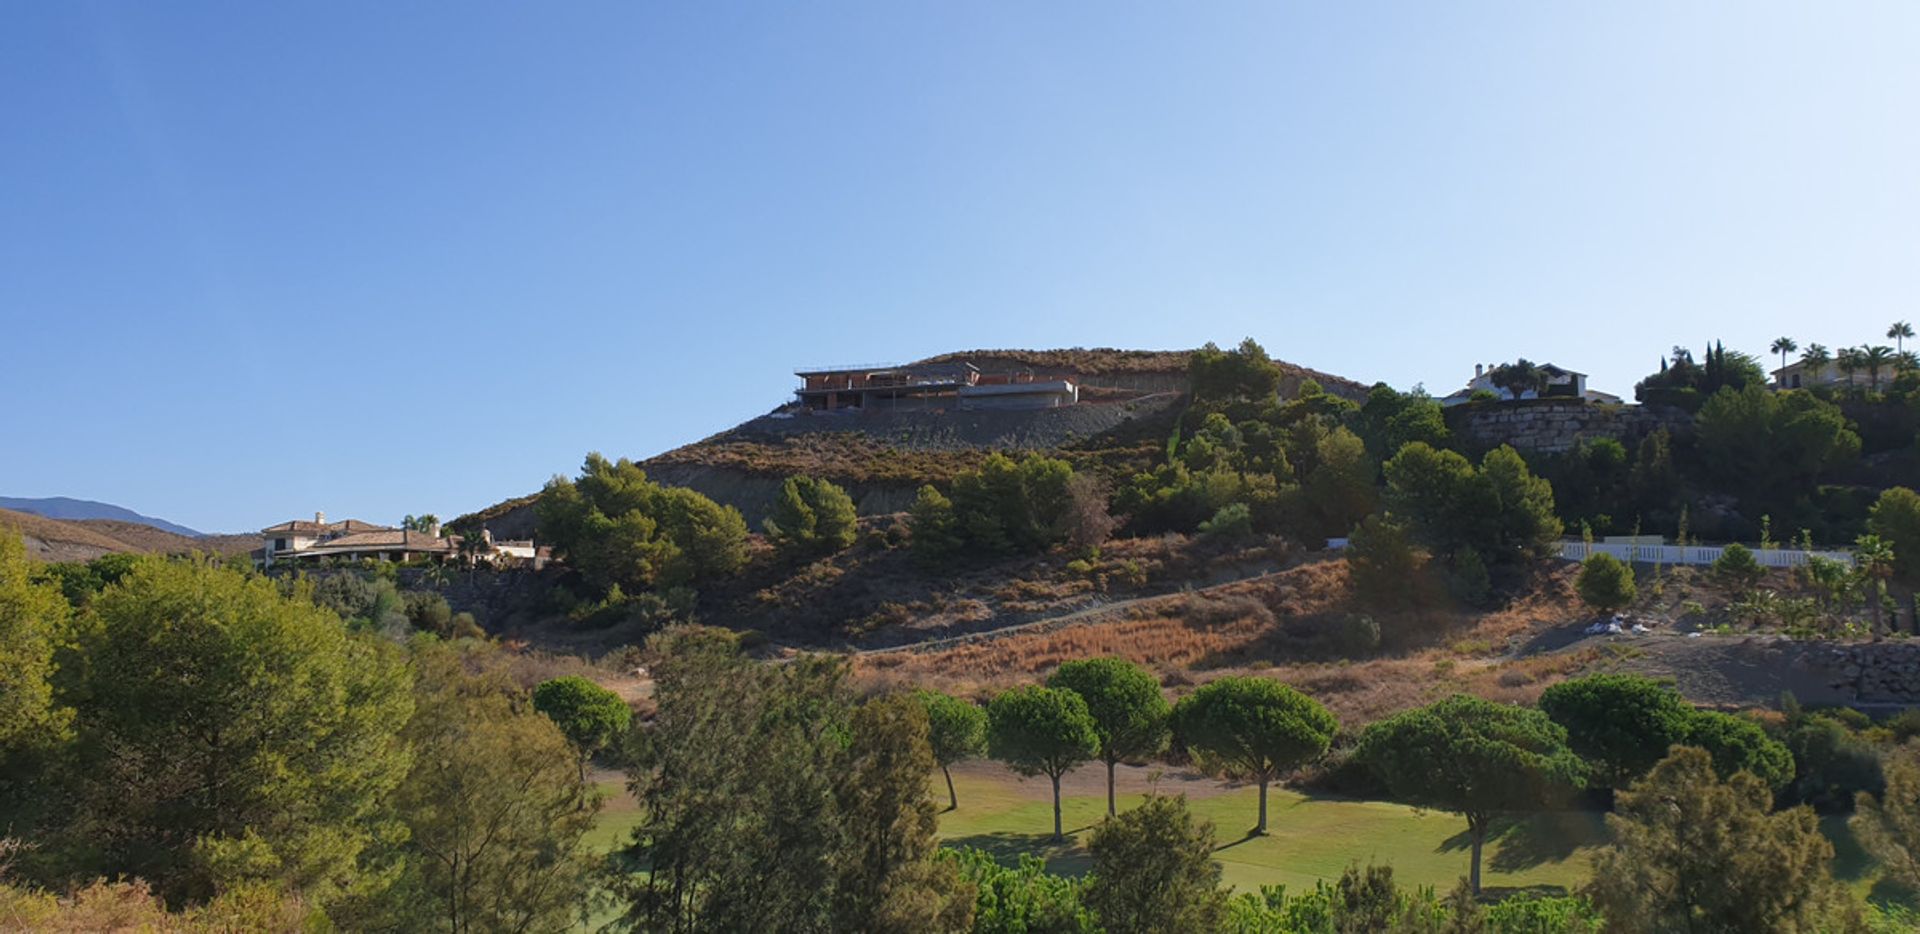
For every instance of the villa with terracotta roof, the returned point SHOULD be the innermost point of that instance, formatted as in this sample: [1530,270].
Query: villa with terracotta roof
[354,540]
[351,539]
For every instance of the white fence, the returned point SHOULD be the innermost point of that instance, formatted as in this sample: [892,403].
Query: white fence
[1694,554]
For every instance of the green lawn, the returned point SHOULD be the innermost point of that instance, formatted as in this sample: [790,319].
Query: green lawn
[1307,839]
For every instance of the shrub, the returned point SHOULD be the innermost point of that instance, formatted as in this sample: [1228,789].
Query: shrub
[1023,898]
[1234,520]
[811,517]
[1385,565]
[1605,582]
[1736,569]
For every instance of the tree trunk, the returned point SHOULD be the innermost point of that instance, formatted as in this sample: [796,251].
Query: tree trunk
[953,803]
[1110,810]
[1057,835]
[1477,829]
[1260,829]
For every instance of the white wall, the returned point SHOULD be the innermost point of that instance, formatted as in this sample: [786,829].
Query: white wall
[1694,554]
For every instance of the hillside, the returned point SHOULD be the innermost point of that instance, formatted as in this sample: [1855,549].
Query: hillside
[87,539]
[67,508]
[1130,401]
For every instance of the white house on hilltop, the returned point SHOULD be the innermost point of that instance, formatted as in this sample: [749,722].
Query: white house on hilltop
[1561,383]
[353,540]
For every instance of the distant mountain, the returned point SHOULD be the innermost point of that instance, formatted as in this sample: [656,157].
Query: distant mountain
[64,507]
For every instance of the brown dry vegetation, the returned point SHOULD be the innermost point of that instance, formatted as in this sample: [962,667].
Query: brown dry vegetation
[1273,626]
[87,539]
[844,457]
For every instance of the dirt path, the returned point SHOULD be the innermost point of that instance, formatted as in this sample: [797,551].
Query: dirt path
[1084,614]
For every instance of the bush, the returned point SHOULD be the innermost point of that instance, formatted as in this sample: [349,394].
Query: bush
[1234,520]
[615,526]
[1736,569]
[1357,634]
[1605,582]
[811,517]
[1467,578]
[1023,898]
[1384,564]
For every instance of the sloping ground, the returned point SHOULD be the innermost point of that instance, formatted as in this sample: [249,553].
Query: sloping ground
[1135,369]
[1132,398]
[54,540]
[1285,625]
[87,539]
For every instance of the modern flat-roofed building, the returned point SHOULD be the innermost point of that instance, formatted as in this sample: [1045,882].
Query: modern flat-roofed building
[882,386]
[889,387]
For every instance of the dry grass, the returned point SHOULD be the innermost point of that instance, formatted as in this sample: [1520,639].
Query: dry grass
[841,456]
[1270,627]
[1088,361]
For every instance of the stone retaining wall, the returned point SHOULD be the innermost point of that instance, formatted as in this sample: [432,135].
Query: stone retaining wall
[1552,426]
[1876,672]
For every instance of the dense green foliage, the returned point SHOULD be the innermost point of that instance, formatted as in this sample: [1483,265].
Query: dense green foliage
[33,622]
[1770,448]
[494,809]
[1694,852]
[1153,870]
[1129,713]
[811,517]
[1895,519]
[1737,744]
[225,733]
[616,527]
[1475,758]
[1366,899]
[1888,824]
[1620,724]
[1003,508]
[956,731]
[1684,383]
[1256,729]
[1387,567]
[1022,899]
[1499,509]
[1605,582]
[1042,731]
[590,716]
[773,802]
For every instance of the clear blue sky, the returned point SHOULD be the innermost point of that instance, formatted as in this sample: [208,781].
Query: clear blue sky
[262,259]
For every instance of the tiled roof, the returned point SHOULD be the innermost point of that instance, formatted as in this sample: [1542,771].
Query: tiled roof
[307,527]
[387,538]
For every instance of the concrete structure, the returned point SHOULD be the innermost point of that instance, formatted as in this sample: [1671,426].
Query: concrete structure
[878,387]
[1561,382]
[887,387]
[1694,554]
[1038,394]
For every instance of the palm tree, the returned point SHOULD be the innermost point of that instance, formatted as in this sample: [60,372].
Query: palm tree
[1850,360]
[1873,359]
[1898,333]
[1783,346]
[1873,562]
[1816,358]
[1906,360]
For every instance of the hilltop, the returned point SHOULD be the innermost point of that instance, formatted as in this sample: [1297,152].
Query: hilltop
[87,539]
[68,508]
[1129,401]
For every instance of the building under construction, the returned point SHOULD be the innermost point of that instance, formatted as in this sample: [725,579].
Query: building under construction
[933,386]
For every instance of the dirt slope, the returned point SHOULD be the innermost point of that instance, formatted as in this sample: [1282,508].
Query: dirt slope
[87,539]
